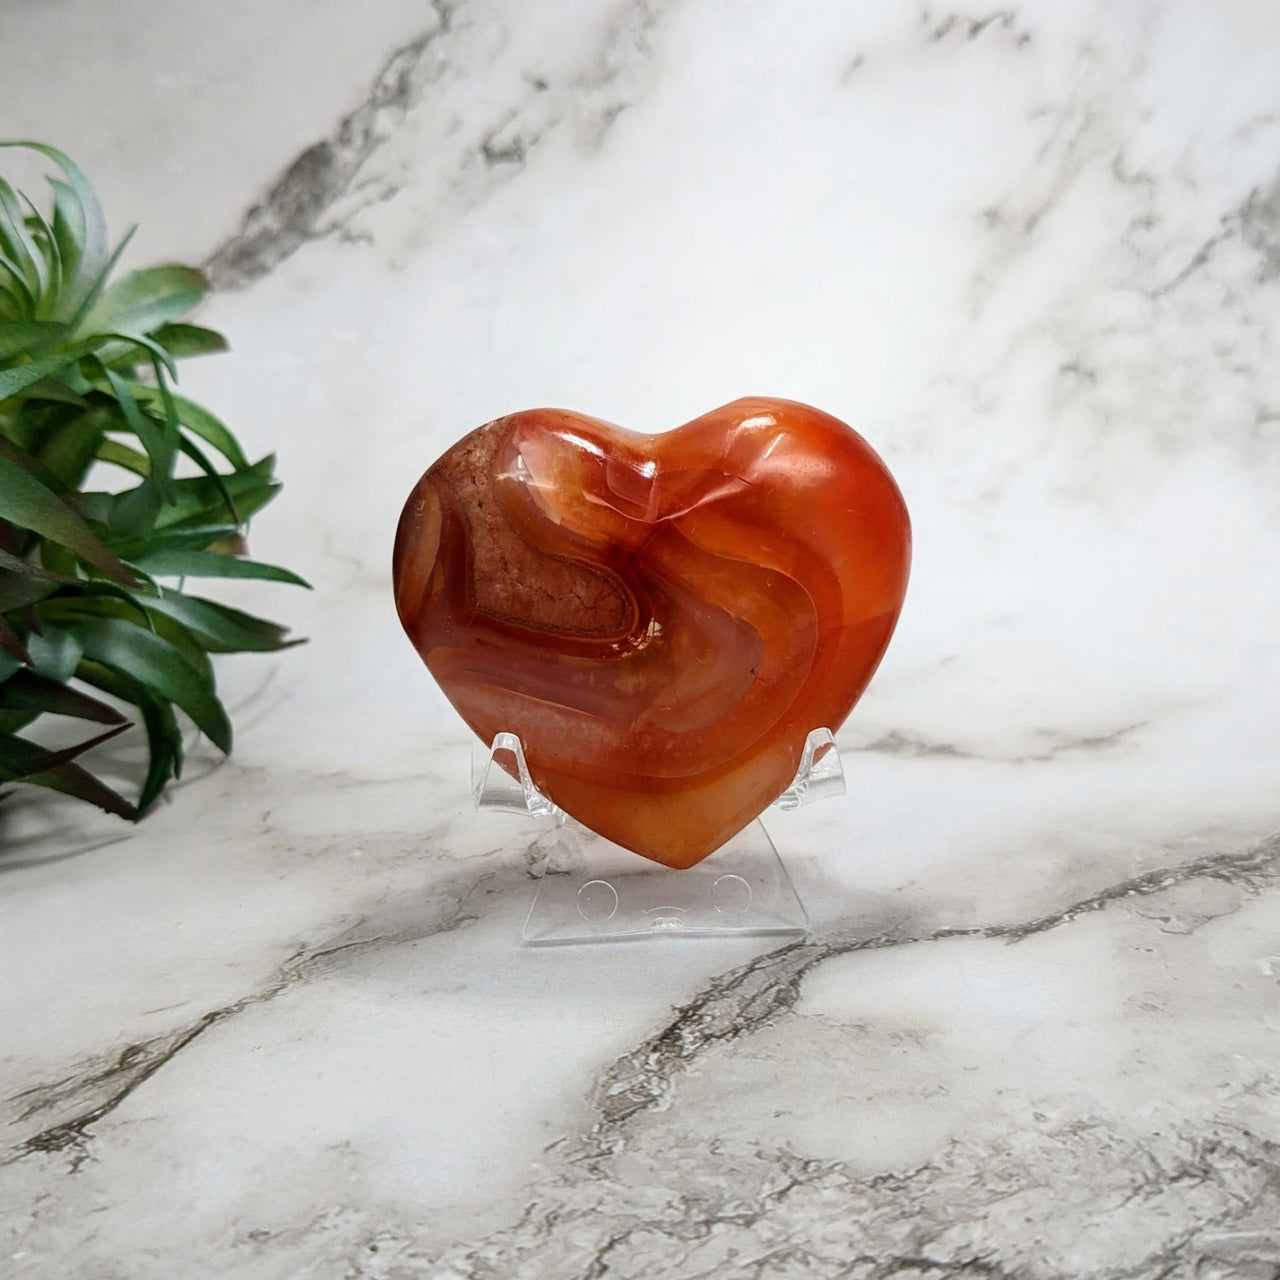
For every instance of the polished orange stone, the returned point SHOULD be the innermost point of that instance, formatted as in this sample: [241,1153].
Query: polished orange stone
[661,619]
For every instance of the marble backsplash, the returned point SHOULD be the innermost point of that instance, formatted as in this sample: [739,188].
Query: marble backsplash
[286,1029]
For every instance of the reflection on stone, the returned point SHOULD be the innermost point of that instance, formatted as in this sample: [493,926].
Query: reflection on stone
[660,619]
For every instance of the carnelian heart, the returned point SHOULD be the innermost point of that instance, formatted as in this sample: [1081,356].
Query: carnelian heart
[661,619]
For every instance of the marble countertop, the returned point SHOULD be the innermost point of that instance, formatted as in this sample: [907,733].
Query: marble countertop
[285,1028]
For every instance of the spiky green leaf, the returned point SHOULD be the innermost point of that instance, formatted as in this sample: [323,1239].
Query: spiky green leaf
[11,641]
[199,421]
[56,651]
[76,319]
[163,668]
[142,301]
[79,227]
[218,627]
[19,590]
[155,437]
[69,443]
[175,563]
[19,376]
[27,691]
[119,454]
[29,336]
[26,502]
[184,340]
[21,249]
[24,761]
[164,738]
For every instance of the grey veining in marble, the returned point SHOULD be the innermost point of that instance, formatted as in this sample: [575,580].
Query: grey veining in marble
[285,1028]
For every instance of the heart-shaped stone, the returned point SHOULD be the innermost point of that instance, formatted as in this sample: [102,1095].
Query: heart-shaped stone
[660,619]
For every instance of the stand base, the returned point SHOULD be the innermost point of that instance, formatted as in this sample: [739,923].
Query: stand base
[592,890]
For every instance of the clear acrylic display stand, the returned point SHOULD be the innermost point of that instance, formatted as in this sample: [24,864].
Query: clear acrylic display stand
[592,890]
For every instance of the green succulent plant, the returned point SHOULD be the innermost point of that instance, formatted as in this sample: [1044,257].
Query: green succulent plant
[92,580]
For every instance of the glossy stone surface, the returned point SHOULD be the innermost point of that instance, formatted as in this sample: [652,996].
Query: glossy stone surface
[661,619]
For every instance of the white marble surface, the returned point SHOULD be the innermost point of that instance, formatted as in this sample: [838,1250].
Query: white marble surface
[285,1028]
